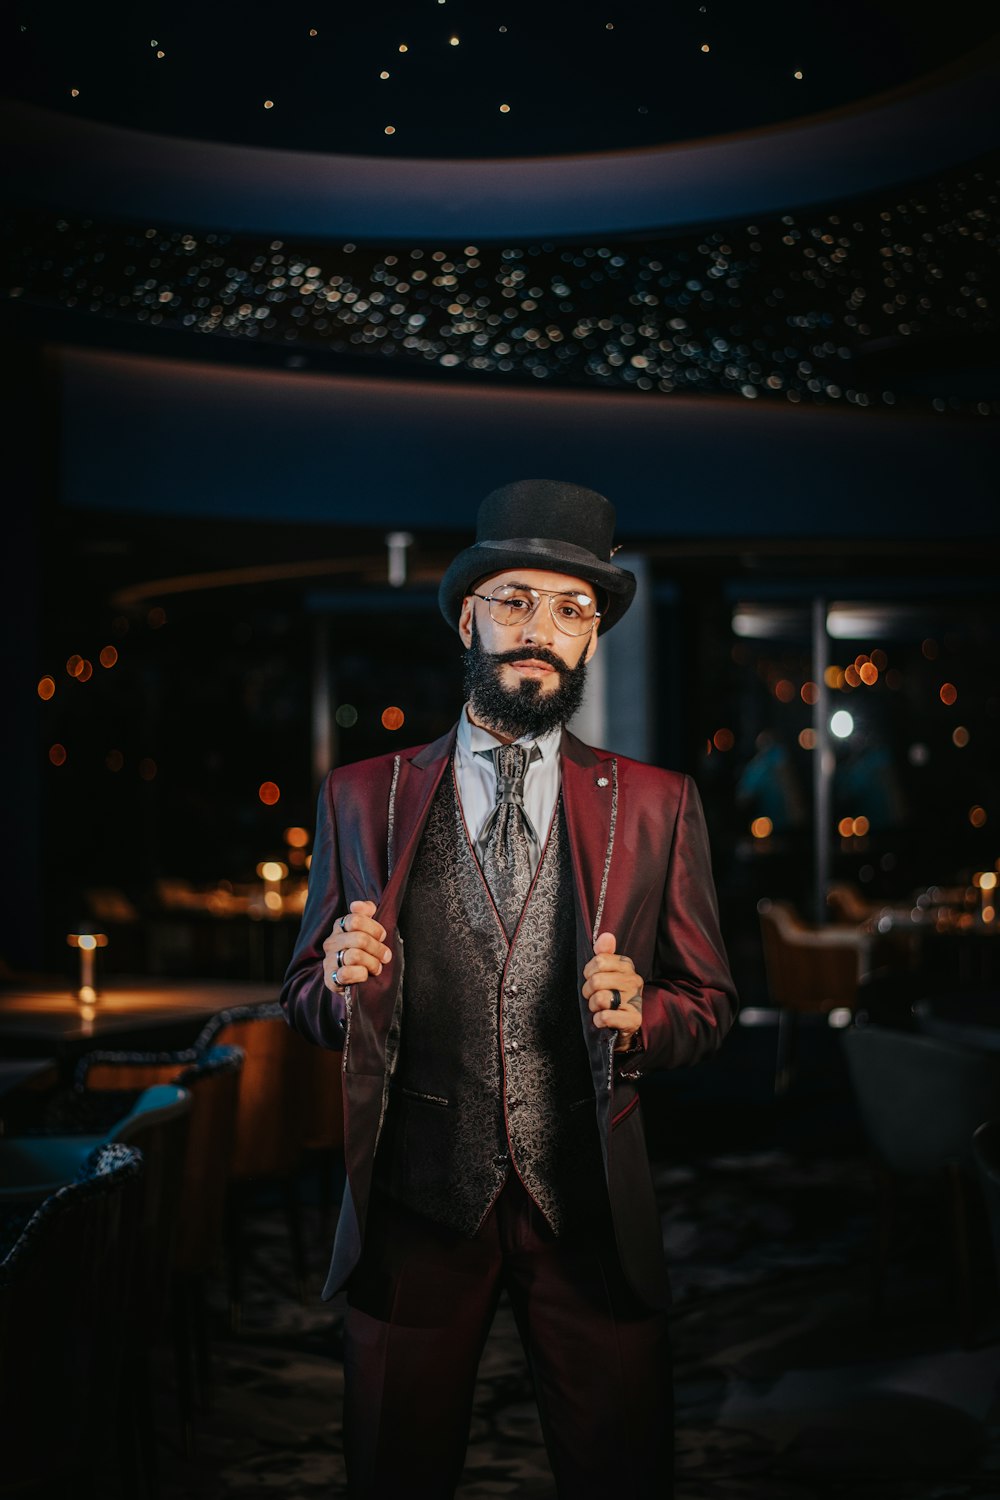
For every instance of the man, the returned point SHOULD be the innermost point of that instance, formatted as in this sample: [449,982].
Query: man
[505,930]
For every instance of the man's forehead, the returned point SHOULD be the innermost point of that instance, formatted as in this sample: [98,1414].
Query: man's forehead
[536,578]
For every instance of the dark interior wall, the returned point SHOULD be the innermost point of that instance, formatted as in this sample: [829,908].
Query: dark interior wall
[175,437]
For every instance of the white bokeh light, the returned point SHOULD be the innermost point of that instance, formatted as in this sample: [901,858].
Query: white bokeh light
[841,724]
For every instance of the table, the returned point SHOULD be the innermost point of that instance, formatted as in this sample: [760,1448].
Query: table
[129,1013]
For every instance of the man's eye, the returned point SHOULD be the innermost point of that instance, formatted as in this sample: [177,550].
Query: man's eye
[571,611]
[517,604]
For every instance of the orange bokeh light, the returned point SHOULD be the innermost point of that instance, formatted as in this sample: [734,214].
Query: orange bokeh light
[723,739]
[845,827]
[296,838]
[809,692]
[269,792]
[807,739]
[977,816]
[960,736]
[86,671]
[868,673]
[108,656]
[46,688]
[948,693]
[761,828]
[57,755]
[852,676]
[784,690]
[392,718]
[861,827]
[73,665]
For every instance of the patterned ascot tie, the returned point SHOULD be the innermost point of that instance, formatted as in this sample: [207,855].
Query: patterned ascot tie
[503,842]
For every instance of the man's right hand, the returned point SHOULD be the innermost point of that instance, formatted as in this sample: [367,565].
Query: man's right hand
[355,948]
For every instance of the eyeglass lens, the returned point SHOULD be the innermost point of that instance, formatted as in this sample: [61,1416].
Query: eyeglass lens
[572,613]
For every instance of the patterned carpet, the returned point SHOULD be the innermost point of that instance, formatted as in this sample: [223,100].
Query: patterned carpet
[788,1388]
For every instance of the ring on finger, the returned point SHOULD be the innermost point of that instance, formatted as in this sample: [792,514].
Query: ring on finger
[616,999]
[340,959]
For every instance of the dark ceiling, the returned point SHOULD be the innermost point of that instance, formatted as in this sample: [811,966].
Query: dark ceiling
[471,78]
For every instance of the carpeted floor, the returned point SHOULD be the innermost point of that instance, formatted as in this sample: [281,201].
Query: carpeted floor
[787,1387]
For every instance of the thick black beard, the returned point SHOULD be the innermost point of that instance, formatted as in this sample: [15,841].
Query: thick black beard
[524,709]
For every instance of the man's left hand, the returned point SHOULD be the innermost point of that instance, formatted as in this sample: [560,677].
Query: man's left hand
[608,976]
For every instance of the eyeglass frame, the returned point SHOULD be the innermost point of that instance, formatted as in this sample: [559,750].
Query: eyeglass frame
[551,594]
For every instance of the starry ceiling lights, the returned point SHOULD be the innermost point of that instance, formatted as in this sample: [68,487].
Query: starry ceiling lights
[453,78]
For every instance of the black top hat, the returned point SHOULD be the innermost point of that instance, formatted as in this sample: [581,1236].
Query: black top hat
[542,523]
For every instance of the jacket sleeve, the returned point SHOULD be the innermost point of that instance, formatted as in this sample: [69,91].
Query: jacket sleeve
[310,1007]
[689,1002]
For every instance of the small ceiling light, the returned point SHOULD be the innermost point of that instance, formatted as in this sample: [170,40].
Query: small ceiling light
[403,47]
[383,74]
[705,47]
[798,73]
[505,109]
[453,41]
[390,130]
[268,103]
[74,93]
[161,54]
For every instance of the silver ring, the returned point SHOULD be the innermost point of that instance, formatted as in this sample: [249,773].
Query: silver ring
[340,959]
[616,999]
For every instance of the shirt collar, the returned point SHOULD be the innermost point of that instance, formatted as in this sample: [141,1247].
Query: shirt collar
[471,738]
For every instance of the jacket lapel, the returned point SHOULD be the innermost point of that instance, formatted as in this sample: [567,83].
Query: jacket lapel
[413,790]
[590,790]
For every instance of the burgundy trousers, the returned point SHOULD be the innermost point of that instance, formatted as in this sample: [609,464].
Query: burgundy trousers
[420,1305]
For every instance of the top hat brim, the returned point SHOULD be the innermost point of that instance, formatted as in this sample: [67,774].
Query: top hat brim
[553,556]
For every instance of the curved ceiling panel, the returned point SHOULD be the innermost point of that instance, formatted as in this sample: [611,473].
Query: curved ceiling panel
[82,166]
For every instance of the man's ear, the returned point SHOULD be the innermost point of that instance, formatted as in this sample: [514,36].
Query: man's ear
[591,646]
[465,621]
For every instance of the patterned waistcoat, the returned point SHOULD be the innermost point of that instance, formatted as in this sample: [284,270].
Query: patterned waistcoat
[492,1068]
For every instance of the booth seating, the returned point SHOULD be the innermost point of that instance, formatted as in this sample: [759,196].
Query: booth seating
[67,1267]
[270,1118]
[211,1077]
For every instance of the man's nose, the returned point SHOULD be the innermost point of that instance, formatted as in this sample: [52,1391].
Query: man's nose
[540,629]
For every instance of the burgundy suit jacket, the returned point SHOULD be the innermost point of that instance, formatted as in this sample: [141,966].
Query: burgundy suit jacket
[641,870]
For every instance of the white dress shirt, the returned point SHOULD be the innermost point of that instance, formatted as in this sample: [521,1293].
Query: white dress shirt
[477,780]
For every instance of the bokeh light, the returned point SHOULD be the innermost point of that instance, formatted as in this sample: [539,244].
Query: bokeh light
[392,718]
[842,724]
[948,693]
[108,656]
[46,688]
[960,736]
[807,739]
[762,828]
[809,693]
[723,739]
[296,838]
[269,793]
[57,754]
[346,715]
[977,816]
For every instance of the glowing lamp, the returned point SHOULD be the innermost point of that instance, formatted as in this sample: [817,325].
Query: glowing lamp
[88,944]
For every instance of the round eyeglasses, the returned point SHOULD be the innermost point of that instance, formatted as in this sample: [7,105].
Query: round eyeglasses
[515,603]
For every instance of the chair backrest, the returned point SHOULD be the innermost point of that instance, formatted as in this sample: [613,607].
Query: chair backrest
[813,969]
[986,1150]
[158,1124]
[269,1111]
[323,1123]
[65,1288]
[212,1079]
[920,1099]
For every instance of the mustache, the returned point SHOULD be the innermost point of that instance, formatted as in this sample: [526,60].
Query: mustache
[539,653]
